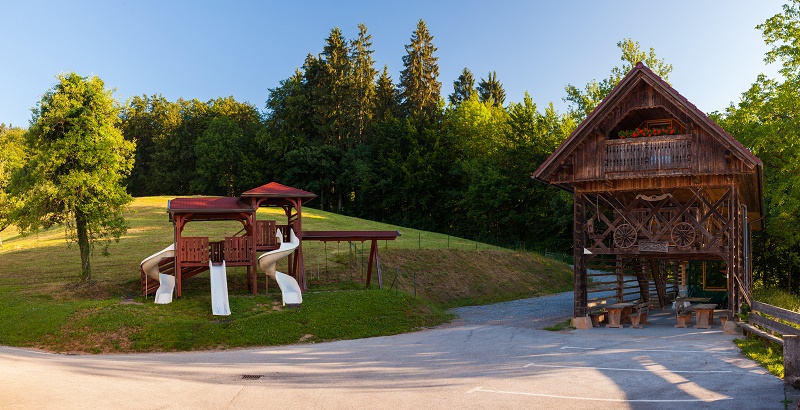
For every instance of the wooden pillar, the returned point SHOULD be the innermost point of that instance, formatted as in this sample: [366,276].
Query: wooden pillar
[373,253]
[734,292]
[579,242]
[619,270]
[178,227]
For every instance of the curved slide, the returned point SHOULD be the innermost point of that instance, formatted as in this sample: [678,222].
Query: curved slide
[167,282]
[290,290]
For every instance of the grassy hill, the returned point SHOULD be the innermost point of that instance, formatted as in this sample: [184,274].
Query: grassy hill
[41,303]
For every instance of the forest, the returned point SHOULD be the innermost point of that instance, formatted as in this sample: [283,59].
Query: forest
[456,160]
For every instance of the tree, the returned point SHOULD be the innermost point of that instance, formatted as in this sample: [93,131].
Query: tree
[363,82]
[767,121]
[386,97]
[332,92]
[491,91]
[148,122]
[463,87]
[78,161]
[582,103]
[420,89]
[219,157]
[12,158]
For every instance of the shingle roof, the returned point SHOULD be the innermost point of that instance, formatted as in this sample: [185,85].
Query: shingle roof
[276,190]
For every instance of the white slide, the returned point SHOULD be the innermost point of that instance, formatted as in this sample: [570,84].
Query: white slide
[219,289]
[167,282]
[290,290]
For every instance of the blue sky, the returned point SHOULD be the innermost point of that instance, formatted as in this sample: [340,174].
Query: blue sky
[210,49]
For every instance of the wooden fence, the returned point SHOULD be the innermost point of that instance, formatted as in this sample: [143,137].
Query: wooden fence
[770,322]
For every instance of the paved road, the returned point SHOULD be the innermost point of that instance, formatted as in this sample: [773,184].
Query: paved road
[484,360]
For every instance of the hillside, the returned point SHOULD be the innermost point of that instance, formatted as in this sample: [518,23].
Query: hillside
[41,304]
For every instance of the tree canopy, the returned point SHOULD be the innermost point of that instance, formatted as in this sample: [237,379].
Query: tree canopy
[78,161]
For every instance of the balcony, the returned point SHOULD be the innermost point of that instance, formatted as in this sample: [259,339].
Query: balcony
[667,152]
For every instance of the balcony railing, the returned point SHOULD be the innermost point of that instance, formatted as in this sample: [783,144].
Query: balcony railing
[648,153]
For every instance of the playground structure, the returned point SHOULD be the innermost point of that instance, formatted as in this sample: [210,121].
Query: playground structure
[164,272]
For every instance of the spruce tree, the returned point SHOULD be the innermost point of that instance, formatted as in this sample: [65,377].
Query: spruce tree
[491,91]
[420,88]
[463,87]
[362,82]
[386,96]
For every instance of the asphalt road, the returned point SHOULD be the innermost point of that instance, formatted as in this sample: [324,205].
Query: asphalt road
[484,360]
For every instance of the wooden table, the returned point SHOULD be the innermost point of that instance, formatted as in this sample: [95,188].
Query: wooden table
[615,313]
[705,315]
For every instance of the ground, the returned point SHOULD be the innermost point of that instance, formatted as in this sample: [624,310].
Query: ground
[494,356]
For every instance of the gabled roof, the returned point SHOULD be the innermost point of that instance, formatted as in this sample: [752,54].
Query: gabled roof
[639,73]
[208,208]
[276,190]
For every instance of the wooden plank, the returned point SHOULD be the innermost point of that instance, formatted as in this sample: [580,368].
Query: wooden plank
[770,324]
[780,313]
[761,333]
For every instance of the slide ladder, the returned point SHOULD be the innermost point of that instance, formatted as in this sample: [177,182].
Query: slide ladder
[290,290]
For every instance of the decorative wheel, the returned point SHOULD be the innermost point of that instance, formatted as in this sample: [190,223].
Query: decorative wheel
[624,236]
[683,234]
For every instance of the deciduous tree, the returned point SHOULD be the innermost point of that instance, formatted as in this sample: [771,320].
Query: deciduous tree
[583,102]
[78,161]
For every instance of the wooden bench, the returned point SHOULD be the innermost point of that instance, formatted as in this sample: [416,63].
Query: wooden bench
[638,317]
[684,317]
[597,317]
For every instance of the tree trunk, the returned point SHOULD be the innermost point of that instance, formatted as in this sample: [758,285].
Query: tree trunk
[84,246]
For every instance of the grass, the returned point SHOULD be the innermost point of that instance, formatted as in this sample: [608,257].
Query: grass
[769,355]
[41,305]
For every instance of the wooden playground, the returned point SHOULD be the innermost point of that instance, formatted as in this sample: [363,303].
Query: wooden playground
[195,254]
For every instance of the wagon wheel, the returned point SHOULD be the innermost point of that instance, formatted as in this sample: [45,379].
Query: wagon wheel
[683,234]
[624,236]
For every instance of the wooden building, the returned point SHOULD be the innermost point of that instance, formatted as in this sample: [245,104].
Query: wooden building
[656,184]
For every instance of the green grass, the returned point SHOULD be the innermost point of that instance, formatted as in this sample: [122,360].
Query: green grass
[770,356]
[42,305]
[778,297]
[767,354]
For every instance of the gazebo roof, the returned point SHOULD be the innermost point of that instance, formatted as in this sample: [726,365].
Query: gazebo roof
[276,190]
[208,205]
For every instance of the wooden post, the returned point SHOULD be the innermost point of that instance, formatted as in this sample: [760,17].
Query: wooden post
[373,252]
[791,359]
[579,242]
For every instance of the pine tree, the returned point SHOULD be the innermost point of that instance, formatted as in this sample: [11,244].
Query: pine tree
[386,96]
[332,92]
[362,82]
[491,91]
[463,87]
[420,89]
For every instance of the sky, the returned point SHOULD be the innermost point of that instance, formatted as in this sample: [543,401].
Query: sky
[209,49]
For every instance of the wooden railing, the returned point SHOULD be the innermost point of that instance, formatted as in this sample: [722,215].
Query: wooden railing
[265,233]
[772,322]
[194,250]
[648,153]
[238,249]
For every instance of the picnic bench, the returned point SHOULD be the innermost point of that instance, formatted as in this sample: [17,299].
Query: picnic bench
[639,317]
[684,315]
[705,315]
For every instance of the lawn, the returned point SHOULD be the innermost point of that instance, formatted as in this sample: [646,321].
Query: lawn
[42,305]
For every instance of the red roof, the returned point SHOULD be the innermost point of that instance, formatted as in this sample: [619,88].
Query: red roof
[276,190]
[208,205]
